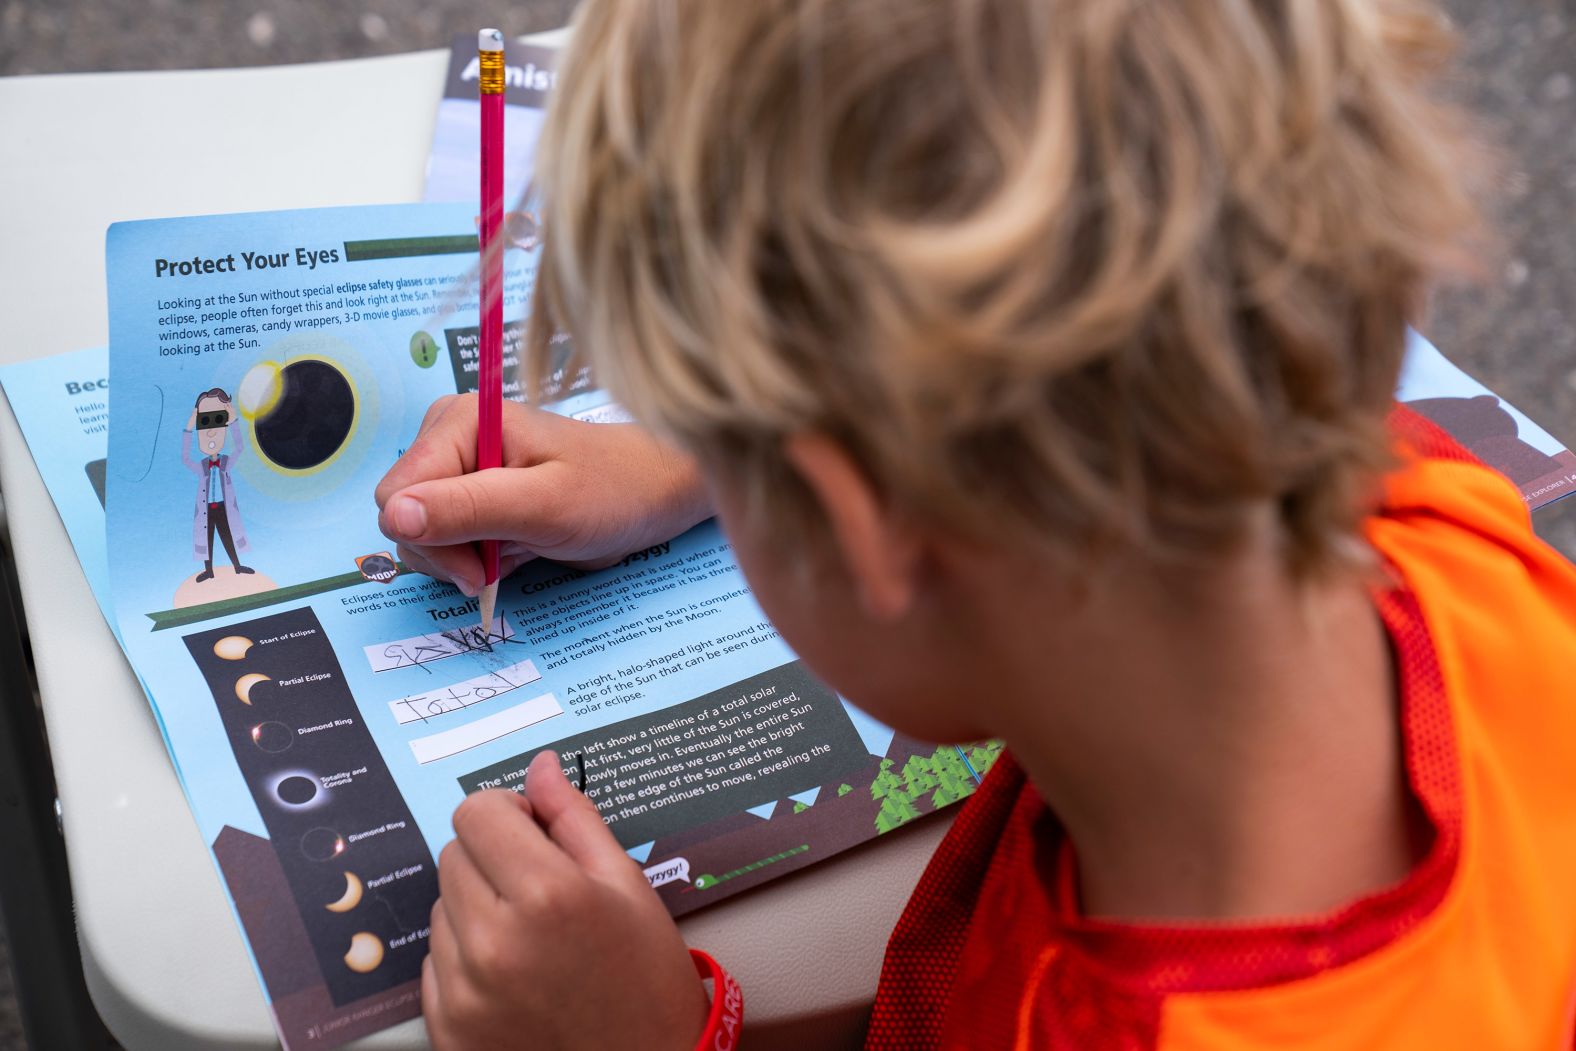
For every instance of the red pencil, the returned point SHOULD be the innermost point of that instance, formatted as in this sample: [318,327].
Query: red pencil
[489,431]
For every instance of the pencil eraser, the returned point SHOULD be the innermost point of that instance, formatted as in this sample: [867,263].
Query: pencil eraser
[489,40]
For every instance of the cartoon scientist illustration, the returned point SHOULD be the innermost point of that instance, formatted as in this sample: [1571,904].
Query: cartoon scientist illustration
[211,424]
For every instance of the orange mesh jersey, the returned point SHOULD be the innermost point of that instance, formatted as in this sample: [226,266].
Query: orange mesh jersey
[1475,949]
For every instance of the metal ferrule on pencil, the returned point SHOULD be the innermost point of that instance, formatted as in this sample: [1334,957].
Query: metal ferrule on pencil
[491,82]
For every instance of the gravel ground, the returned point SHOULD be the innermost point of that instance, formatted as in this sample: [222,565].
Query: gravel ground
[1516,332]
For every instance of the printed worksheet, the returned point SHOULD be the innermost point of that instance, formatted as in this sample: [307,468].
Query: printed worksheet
[453,163]
[327,709]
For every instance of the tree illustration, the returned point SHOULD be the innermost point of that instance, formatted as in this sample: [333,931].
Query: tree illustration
[918,775]
[954,782]
[886,781]
[896,810]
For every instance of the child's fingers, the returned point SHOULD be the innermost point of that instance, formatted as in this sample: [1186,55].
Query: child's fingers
[509,848]
[431,1001]
[459,564]
[441,968]
[512,556]
[443,947]
[444,447]
[446,991]
[526,505]
[470,898]
[575,825]
[439,408]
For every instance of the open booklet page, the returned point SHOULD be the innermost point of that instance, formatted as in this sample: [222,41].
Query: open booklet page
[327,709]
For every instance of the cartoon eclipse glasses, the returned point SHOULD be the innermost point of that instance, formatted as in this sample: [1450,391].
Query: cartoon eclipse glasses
[206,420]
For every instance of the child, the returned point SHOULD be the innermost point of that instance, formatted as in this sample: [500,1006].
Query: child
[1037,356]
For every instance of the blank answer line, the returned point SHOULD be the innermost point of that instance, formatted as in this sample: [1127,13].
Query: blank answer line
[486,729]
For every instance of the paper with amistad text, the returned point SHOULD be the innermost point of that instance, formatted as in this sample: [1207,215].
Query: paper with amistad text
[453,164]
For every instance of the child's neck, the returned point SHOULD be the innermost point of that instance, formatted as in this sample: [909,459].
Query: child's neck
[1231,754]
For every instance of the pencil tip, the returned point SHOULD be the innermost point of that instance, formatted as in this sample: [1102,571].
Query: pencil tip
[489,599]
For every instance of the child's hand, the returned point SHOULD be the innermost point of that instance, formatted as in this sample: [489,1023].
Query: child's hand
[547,935]
[581,493]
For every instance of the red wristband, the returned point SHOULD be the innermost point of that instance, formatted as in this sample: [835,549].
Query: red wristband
[727,1006]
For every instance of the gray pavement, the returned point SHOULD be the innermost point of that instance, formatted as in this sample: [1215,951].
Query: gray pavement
[201,34]
[1516,332]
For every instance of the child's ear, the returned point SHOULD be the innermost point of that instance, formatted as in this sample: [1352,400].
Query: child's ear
[879,549]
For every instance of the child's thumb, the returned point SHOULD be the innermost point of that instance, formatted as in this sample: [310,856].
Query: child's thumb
[573,822]
[506,503]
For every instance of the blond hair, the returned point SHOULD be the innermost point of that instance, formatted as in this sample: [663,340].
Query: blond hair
[1100,274]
